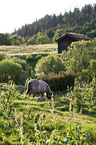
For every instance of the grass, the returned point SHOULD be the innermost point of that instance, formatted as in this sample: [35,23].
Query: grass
[30,49]
[46,119]
[60,117]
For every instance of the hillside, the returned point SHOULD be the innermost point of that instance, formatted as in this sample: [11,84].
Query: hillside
[78,21]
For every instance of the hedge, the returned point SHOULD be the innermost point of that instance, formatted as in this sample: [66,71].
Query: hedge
[59,82]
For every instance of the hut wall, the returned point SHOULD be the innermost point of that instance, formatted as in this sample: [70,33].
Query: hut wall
[64,43]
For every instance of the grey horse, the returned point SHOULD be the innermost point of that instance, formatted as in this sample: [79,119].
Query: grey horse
[38,86]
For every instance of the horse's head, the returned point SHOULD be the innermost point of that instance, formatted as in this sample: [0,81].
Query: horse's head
[49,95]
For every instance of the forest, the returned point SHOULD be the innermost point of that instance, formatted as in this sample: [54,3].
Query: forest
[50,27]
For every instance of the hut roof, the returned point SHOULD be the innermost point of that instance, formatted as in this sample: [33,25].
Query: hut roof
[74,35]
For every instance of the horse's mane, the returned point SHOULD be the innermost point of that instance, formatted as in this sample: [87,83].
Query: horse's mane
[48,88]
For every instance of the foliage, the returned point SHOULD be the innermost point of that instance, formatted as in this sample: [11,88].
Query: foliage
[70,22]
[57,34]
[92,34]
[22,62]
[31,40]
[7,101]
[93,67]
[83,97]
[52,26]
[60,81]
[42,39]
[79,55]
[5,39]
[17,40]
[2,56]
[33,122]
[49,64]
[9,70]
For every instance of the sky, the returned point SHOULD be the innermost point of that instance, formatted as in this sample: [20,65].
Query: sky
[16,13]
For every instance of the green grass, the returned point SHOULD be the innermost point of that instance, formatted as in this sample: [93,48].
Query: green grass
[60,117]
[53,118]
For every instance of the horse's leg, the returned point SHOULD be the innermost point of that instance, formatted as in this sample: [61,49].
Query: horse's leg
[29,93]
[42,94]
[34,93]
[40,97]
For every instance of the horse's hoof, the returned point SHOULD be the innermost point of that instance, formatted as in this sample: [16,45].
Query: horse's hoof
[39,98]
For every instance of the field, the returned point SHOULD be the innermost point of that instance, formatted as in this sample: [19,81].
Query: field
[25,120]
[30,49]
[45,122]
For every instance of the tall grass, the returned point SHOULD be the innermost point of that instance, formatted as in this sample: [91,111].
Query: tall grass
[40,123]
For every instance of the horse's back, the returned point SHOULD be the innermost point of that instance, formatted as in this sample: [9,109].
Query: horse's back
[34,84]
[42,86]
[38,86]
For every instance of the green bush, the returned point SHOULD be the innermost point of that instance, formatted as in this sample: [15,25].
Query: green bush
[59,82]
[31,40]
[85,75]
[42,39]
[2,56]
[10,70]
[22,62]
[17,40]
[50,64]
[93,67]
[79,55]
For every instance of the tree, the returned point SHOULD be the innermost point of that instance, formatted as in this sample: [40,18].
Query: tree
[58,33]
[17,40]
[42,39]
[5,39]
[31,40]
[50,33]
[79,55]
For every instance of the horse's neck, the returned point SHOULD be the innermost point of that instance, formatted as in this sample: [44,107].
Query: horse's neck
[48,88]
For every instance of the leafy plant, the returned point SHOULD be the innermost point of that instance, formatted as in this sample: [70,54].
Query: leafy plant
[2,56]
[60,81]
[7,100]
[50,64]
[9,70]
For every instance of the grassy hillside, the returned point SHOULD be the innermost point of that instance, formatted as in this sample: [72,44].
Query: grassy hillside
[43,122]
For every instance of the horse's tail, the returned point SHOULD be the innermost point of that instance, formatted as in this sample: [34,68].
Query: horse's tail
[28,88]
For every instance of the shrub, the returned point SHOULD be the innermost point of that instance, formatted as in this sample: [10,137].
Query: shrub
[50,64]
[17,40]
[2,56]
[9,70]
[22,62]
[85,75]
[31,40]
[93,67]
[42,39]
[79,55]
[59,82]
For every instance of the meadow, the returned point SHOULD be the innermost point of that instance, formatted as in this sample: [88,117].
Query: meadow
[30,49]
[28,121]
[69,118]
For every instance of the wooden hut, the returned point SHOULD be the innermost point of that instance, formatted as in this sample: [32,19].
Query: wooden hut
[65,40]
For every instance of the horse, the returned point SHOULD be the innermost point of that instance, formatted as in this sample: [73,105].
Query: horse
[40,87]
